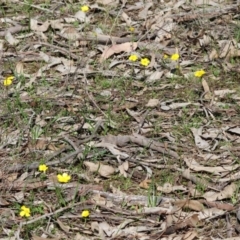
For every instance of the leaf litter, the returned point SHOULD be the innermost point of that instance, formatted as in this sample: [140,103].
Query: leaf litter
[152,151]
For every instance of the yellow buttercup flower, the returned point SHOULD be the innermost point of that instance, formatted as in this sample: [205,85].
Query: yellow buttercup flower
[131,29]
[199,73]
[25,212]
[165,56]
[43,168]
[145,62]
[8,81]
[85,213]
[175,57]
[85,8]
[133,58]
[63,178]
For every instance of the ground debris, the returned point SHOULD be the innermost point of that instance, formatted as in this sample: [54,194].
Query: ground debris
[119,119]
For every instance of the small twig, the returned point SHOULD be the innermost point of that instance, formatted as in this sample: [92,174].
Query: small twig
[145,142]
[90,96]
[217,216]
[103,39]
[56,153]
[71,143]
[37,7]
[64,51]
[15,29]
[64,159]
[142,120]
[18,167]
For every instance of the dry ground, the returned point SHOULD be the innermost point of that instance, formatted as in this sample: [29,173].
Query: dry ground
[152,151]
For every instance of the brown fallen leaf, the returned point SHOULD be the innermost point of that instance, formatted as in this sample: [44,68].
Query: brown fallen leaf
[41,144]
[210,212]
[189,222]
[63,226]
[125,17]
[167,188]
[191,204]
[70,33]
[96,198]
[200,143]
[11,39]
[54,148]
[35,25]
[145,183]
[227,192]
[195,166]
[112,148]
[104,170]
[222,206]
[143,14]
[3,202]
[19,68]
[207,92]
[227,48]
[117,48]
[81,16]
[153,103]
[123,168]
[11,177]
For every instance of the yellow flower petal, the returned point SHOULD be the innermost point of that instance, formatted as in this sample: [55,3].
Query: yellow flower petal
[131,29]
[175,57]
[8,81]
[63,178]
[165,56]
[85,8]
[43,168]
[145,62]
[85,213]
[199,73]
[133,58]
[22,214]
[25,212]
[10,78]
